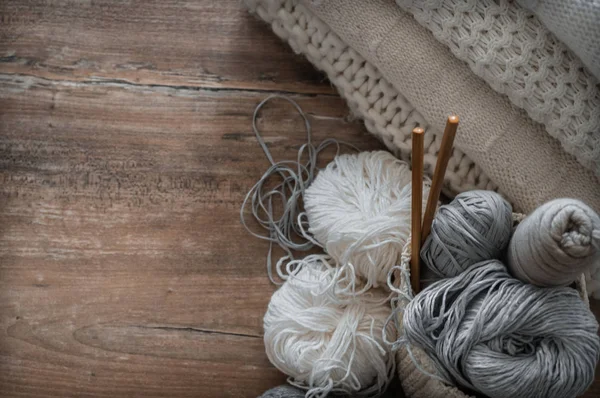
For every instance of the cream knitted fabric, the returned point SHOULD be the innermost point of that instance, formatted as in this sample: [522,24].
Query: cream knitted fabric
[386,112]
[510,48]
[528,165]
[416,383]
[576,23]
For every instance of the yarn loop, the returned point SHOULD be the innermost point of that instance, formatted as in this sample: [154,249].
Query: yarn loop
[287,229]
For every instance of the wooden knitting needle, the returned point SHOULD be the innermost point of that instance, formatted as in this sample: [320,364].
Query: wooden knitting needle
[438,175]
[417,203]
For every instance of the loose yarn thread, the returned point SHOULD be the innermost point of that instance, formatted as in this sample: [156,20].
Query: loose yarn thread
[328,343]
[474,227]
[287,230]
[555,244]
[325,340]
[358,209]
[491,333]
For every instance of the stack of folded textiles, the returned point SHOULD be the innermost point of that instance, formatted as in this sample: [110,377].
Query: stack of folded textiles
[530,109]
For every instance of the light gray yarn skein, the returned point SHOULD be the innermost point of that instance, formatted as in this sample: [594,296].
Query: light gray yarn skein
[555,244]
[287,391]
[474,227]
[494,334]
[284,229]
[284,391]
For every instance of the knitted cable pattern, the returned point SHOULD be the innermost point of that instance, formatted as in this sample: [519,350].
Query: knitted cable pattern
[518,56]
[386,112]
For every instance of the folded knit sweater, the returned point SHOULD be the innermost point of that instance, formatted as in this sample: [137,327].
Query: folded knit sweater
[510,48]
[576,23]
[527,164]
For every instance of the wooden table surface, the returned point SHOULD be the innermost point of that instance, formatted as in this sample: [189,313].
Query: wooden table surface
[126,149]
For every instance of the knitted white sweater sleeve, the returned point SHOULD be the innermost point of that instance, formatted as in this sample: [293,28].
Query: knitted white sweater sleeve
[576,23]
[510,49]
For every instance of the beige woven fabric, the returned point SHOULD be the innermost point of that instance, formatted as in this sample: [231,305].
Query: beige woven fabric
[386,112]
[417,384]
[516,153]
[508,47]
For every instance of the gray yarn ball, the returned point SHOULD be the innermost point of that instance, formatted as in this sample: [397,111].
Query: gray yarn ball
[555,244]
[284,391]
[496,335]
[474,227]
[287,391]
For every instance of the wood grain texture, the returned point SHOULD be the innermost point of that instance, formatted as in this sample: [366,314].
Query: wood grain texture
[191,43]
[125,152]
[124,269]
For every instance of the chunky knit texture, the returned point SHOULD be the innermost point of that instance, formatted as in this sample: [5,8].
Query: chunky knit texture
[528,165]
[531,176]
[508,47]
[386,112]
[576,23]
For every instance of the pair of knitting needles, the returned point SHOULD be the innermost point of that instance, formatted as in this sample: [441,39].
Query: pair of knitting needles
[419,233]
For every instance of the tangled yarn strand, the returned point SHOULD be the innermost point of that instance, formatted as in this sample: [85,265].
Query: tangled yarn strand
[288,229]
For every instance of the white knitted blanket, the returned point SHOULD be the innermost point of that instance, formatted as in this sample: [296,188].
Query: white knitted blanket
[386,112]
[576,23]
[510,49]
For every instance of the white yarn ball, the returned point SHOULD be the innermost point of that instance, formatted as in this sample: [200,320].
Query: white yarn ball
[326,343]
[359,208]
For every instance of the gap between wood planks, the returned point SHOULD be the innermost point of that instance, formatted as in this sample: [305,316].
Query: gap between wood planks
[197,330]
[28,80]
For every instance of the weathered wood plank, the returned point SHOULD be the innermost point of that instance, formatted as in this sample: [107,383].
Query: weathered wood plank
[195,43]
[124,270]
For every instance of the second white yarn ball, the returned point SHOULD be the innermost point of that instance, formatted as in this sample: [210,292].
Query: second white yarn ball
[359,209]
[326,343]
